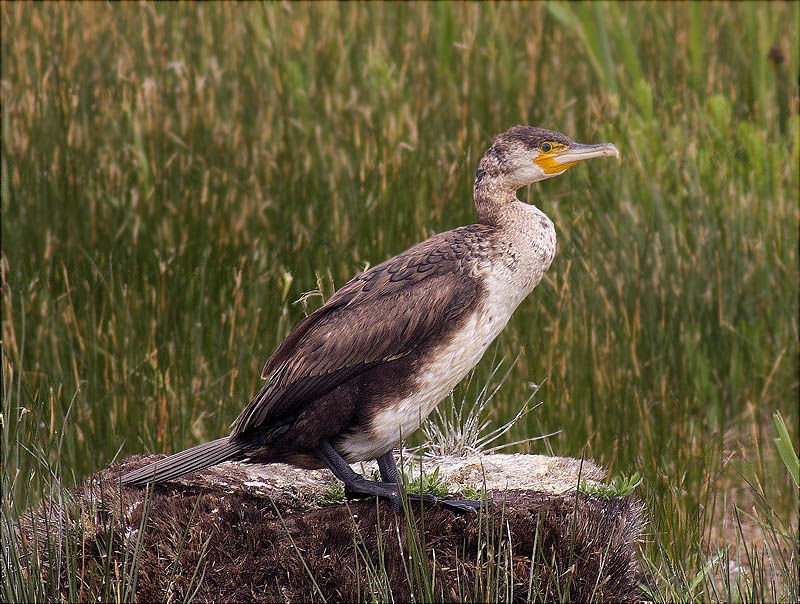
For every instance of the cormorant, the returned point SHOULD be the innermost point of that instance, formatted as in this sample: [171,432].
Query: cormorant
[361,372]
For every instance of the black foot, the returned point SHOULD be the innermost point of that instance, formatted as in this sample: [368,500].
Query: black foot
[390,473]
[466,505]
[360,488]
[357,487]
[390,493]
[457,505]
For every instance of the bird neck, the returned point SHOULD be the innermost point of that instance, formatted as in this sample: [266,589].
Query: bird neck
[492,191]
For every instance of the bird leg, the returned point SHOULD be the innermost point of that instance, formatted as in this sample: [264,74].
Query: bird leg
[390,473]
[356,486]
[389,470]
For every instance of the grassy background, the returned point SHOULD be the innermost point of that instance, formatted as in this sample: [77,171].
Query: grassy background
[175,177]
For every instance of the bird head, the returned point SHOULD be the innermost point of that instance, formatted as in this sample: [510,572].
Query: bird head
[523,155]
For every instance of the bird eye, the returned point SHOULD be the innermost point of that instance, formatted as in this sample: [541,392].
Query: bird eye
[547,147]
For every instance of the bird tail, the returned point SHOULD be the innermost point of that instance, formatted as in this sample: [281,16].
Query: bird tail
[190,460]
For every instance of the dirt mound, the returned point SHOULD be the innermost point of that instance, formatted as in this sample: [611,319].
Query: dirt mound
[243,533]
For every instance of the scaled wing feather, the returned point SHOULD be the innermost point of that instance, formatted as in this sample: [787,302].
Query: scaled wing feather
[380,315]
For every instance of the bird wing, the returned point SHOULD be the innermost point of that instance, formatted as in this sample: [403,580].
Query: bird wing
[379,315]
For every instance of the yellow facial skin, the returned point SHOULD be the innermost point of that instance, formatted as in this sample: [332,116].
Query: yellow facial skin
[547,162]
[554,157]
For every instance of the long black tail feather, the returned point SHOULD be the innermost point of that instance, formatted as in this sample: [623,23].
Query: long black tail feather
[190,460]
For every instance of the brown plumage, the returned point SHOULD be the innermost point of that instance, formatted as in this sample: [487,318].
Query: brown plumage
[363,370]
[374,319]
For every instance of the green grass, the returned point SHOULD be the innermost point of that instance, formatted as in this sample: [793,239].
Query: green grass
[174,177]
[619,486]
